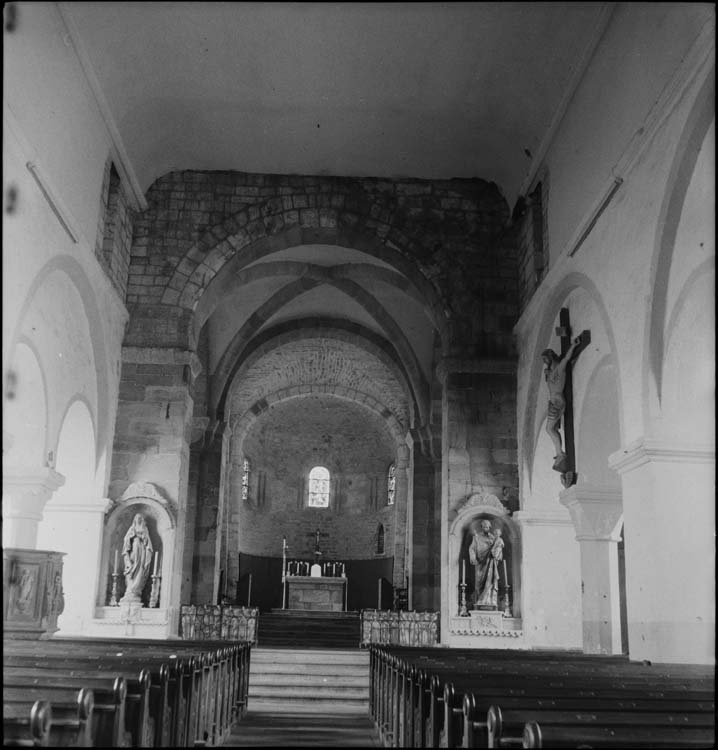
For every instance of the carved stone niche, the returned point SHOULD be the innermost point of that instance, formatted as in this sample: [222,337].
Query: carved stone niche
[32,592]
[470,512]
[161,519]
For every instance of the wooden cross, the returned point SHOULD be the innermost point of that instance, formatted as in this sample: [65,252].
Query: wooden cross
[316,534]
[563,330]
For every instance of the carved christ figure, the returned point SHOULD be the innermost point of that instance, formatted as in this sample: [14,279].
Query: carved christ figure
[555,374]
[137,556]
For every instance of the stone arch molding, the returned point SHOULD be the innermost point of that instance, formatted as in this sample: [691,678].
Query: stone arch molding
[161,515]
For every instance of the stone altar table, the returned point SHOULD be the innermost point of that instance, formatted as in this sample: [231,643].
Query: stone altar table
[325,593]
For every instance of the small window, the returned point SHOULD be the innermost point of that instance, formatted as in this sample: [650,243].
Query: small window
[245,479]
[319,487]
[380,540]
[391,485]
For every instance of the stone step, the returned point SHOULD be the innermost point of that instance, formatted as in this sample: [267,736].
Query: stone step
[262,655]
[281,708]
[309,671]
[308,692]
[294,679]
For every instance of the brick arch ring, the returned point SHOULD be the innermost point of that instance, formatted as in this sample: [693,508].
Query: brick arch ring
[260,230]
[241,424]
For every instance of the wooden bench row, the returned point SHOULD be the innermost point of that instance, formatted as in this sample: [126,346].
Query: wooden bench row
[136,693]
[438,697]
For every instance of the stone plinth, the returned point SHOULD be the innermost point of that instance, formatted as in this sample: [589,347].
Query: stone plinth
[313,593]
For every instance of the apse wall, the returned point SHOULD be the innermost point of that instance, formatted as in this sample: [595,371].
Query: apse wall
[284,444]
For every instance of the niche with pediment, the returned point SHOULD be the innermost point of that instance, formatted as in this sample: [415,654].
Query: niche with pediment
[469,515]
[143,498]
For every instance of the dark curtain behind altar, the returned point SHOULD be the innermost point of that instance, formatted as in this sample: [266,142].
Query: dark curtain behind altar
[266,574]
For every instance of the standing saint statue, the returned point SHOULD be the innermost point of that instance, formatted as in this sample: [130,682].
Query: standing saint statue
[555,374]
[485,553]
[137,556]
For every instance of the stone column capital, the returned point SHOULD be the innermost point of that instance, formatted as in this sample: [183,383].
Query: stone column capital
[26,490]
[648,450]
[526,518]
[596,511]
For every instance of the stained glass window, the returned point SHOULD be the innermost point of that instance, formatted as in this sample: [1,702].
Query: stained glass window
[245,479]
[391,485]
[319,487]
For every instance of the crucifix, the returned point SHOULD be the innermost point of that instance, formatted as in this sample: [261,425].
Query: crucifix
[560,402]
[317,551]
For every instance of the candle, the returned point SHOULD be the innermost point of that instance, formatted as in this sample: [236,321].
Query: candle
[506,578]
[463,571]
[117,561]
[157,557]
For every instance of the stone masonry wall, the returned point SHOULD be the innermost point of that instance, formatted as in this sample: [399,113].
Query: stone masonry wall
[452,231]
[113,240]
[482,434]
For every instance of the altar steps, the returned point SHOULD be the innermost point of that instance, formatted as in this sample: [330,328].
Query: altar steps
[333,681]
[302,629]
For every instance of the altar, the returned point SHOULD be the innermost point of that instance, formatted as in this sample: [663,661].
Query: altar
[326,593]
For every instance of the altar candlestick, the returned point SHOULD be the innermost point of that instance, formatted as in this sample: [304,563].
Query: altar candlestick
[463,571]
[117,561]
[157,557]
[506,578]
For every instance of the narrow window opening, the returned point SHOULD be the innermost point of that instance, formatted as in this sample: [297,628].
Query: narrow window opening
[245,479]
[319,487]
[391,485]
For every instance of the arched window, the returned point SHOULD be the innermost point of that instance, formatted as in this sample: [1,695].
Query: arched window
[380,540]
[391,485]
[245,479]
[319,487]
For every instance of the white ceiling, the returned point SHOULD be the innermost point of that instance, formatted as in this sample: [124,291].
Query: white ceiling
[428,90]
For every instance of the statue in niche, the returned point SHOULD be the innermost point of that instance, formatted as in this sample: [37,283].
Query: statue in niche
[555,374]
[137,556]
[485,554]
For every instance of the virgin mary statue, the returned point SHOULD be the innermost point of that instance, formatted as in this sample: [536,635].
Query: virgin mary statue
[137,556]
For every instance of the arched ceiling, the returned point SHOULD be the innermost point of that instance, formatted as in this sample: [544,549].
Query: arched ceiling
[429,90]
[318,315]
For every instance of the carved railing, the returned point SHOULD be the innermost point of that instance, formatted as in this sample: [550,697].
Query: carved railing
[215,622]
[32,592]
[399,628]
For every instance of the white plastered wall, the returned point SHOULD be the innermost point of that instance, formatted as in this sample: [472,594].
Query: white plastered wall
[57,302]
[667,619]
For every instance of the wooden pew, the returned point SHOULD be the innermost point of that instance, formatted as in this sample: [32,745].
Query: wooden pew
[537,735]
[229,672]
[206,693]
[29,729]
[110,693]
[506,727]
[494,686]
[400,697]
[71,718]
[138,721]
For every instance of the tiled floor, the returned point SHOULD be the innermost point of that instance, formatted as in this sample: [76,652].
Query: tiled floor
[262,729]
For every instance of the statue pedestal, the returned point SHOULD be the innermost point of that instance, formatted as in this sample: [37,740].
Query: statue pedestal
[129,620]
[486,620]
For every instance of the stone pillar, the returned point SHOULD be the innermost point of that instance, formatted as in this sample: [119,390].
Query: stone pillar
[152,437]
[72,521]
[596,513]
[401,503]
[478,442]
[669,536]
[25,492]
[550,584]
